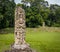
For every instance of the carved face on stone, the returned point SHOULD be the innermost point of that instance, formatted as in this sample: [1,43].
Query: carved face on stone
[21,21]
[19,13]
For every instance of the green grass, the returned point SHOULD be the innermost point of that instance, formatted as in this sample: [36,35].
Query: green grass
[38,40]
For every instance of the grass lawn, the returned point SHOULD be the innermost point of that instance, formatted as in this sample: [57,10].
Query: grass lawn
[39,40]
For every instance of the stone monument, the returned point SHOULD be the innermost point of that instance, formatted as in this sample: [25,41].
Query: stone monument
[20,29]
[20,45]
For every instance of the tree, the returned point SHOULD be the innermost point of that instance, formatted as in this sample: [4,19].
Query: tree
[38,12]
[53,17]
[7,13]
[57,19]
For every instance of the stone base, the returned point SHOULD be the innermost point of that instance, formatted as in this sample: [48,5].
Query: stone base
[21,50]
[22,46]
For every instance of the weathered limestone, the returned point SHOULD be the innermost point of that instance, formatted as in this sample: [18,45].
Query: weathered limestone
[20,45]
[20,29]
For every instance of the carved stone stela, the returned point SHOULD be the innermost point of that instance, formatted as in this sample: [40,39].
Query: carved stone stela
[20,44]
[20,29]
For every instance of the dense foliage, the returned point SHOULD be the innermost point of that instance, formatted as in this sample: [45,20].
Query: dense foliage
[38,13]
[7,13]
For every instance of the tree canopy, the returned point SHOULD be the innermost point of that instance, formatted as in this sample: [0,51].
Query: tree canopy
[38,13]
[7,13]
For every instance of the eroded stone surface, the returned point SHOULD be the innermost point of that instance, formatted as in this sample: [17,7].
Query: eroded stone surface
[20,50]
[20,45]
[20,29]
